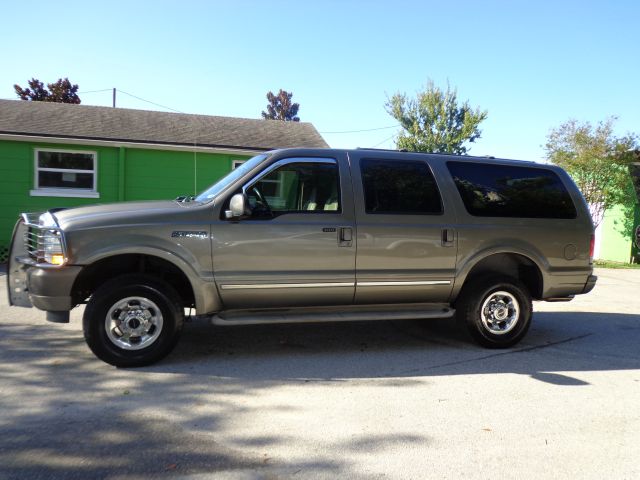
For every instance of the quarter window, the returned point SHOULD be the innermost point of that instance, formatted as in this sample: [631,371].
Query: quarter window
[65,173]
[399,187]
[511,191]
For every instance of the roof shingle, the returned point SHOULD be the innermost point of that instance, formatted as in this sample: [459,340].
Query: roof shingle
[62,120]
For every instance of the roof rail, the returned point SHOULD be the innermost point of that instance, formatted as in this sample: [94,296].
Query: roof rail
[385,149]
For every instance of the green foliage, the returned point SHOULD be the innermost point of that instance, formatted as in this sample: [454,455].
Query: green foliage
[281,108]
[434,121]
[61,91]
[598,162]
[611,264]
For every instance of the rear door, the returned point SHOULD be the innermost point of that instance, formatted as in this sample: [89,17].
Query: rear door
[297,247]
[407,240]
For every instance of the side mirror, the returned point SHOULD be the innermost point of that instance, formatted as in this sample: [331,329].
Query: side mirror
[237,207]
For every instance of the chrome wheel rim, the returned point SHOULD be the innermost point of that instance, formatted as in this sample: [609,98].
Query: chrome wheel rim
[133,323]
[500,312]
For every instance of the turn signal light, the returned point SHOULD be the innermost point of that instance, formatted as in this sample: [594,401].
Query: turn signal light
[57,259]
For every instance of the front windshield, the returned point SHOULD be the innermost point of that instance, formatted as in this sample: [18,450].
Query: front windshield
[229,178]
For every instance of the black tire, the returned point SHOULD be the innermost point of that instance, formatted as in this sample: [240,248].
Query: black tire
[165,309]
[495,331]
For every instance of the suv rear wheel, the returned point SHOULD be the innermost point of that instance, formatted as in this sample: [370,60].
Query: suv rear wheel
[133,320]
[496,310]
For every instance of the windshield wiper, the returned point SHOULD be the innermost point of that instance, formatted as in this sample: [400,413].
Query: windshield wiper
[185,198]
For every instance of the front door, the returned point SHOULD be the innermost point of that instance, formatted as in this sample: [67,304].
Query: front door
[298,245]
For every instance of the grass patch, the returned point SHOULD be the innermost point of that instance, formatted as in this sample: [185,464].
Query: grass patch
[611,264]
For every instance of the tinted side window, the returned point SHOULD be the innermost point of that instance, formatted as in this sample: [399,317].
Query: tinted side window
[399,187]
[508,191]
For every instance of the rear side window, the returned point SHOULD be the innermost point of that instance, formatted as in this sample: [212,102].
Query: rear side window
[399,187]
[508,191]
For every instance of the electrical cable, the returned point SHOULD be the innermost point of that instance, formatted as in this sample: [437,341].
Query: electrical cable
[148,101]
[385,140]
[95,91]
[363,130]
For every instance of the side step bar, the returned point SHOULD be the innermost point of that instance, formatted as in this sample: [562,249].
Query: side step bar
[568,298]
[332,314]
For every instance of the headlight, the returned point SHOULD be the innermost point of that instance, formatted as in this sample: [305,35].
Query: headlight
[50,241]
[52,247]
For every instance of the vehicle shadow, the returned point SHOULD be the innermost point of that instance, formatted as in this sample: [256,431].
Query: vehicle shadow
[557,342]
[64,413]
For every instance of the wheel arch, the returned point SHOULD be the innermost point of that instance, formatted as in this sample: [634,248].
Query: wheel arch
[521,265]
[170,268]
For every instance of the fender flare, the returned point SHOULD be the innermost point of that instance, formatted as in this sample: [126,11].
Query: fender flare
[205,292]
[530,254]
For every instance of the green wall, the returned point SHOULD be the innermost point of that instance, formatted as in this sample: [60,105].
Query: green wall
[123,174]
[615,245]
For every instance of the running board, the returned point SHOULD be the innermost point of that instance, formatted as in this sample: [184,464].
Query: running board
[333,314]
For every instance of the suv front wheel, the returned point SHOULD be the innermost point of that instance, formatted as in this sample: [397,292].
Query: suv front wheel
[133,320]
[496,310]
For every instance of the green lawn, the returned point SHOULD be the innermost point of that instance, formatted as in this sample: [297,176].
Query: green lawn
[610,264]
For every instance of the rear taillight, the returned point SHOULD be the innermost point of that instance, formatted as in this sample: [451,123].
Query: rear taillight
[592,246]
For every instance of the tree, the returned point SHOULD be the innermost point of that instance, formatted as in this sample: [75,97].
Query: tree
[281,108]
[598,162]
[434,121]
[61,91]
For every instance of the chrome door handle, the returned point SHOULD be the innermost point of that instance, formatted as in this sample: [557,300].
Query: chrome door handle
[448,237]
[346,237]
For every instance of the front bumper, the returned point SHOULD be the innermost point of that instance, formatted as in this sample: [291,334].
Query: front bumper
[31,284]
[47,289]
[50,289]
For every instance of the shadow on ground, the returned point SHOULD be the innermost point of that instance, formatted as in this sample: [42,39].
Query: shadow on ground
[67,414]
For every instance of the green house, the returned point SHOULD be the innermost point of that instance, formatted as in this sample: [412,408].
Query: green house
[615,239]
[62,155]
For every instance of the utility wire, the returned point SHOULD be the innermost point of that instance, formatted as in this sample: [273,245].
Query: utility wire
[96,91]
[148,101]
[385,140]
[365,129]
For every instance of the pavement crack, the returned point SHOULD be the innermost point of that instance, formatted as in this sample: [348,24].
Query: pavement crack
[510,352]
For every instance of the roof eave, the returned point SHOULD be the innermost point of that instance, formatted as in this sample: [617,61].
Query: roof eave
[111,142]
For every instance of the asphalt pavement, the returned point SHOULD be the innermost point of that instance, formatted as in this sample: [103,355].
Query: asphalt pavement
[406,400]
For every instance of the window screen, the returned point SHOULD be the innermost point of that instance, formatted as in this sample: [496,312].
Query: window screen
[399,187]
[511,191]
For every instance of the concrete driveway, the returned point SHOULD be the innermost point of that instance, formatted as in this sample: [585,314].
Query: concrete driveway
[365,400]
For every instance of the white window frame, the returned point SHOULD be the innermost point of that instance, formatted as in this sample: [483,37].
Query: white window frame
[236,163]
[64,192]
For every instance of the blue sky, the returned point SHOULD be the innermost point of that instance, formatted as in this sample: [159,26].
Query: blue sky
[532,65]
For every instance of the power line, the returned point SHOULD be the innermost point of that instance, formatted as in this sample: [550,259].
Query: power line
[365,129]
[95,91]
[385,140]
[149,101]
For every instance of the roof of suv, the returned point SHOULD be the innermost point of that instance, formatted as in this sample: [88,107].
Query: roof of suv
[401,153]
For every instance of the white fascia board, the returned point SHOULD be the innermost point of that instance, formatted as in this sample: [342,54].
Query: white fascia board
[116,144]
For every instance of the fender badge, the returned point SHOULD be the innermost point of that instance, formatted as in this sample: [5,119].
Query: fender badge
[189,234]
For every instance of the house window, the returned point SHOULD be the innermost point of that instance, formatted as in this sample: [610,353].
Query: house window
[236,163]
[65,173]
